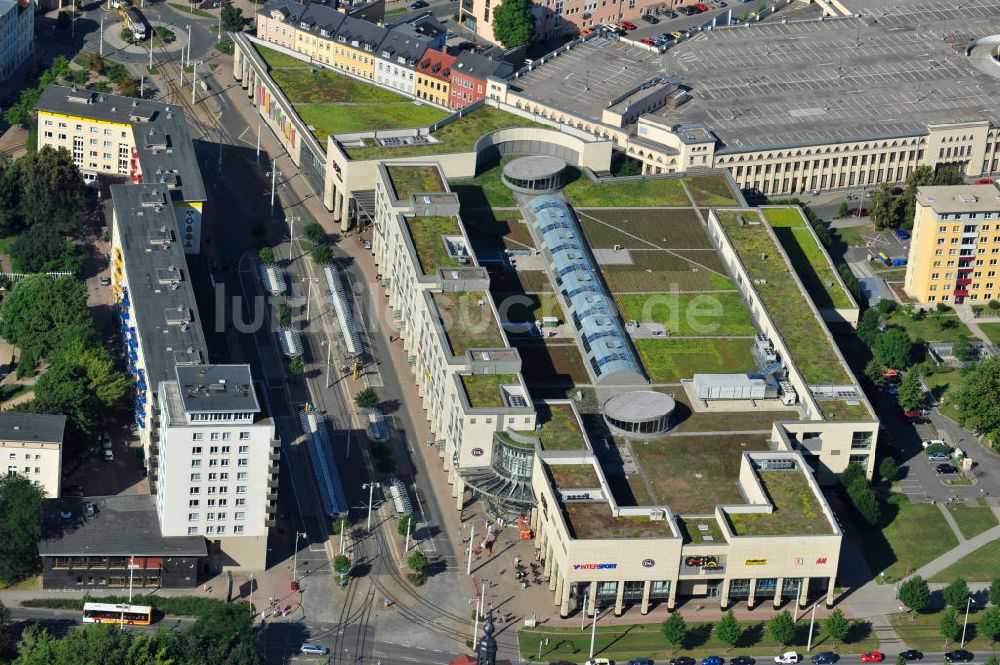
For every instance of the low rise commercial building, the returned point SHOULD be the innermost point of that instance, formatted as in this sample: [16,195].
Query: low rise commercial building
[31,444]
[145,141]
[17,35]
[955,245]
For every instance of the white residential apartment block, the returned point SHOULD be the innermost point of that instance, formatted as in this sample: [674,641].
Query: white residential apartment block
[218,462]
[17,35]
[467,375]
[31,445]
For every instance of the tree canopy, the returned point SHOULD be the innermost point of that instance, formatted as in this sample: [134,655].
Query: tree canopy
[978,400]
[956,594]
[914,593]
[514,23]
[232,18]
[892,348]
[728,629]
[20,526]
[911,391]
[781,628]
[674,629]
[837,626]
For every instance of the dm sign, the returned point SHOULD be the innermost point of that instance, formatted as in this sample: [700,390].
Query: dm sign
[477,452]
[648,563]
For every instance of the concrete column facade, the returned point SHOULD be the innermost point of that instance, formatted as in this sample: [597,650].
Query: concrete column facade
[550,569]
[830,593]
[338,202]
[672,599]
[647,586]
[753,590]
[564,607]
[559,593]
[777,592]
[460,494]
[619,597]
[724,594]
[804,592]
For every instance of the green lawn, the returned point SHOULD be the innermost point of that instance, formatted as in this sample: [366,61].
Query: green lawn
[5,245]
[973,521]
[582,193]
[811,348]
[670,360]
[945,384]
[992,331]
[458,136]
[690,313]
[623,642]
[979,566]
[574,476]
[341,119]
[189,9]
[929,328]
[277,60]
[809,261]
[325,86]
[486,190]
[851,235]
[916,534]
[922,631]
[710,190]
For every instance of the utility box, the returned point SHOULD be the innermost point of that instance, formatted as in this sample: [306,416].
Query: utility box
[550,321]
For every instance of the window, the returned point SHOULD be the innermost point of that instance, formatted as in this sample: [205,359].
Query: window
[243,461]
[244,450]
[209,530]
[192,503]
[211,503]
[210,516]
[223,502]
[193,517]
[241,489]
[192,531]
[222,516]
[195,463]
[221,530]
[238,528]
[195,477]
[244,436]
[224,462]
[226,436]
[241,515]
[223,476]
[242,475]
[213,462]
[215,436]
[197,436]
[226,450]
[196,450]
[241,502]
[213,476]
[213,450]
[194,490]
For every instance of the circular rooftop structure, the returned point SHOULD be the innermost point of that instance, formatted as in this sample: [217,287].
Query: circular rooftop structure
[535,174]
[640,414]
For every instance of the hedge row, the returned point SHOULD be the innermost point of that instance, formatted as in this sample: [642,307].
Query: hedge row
[176,605]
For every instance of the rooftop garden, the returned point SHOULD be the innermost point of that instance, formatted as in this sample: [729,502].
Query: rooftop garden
[458,136]
[808,259]
[408,180]
[574,476]
[694,529]
[332,104]
[670,360]
[710,190]
[428,243]
[583,193]
[558,427]
[483,390]
[466,323]
[837,409]
[689,313]
[797,509]
[595,520]
[805,336]
[703,469]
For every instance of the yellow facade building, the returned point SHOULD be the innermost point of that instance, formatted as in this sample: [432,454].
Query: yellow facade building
[955,249]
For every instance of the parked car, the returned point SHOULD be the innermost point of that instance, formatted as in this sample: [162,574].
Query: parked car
[647,41]
[959,656]
[650,19]
[711,660]
[311,648]
[109,456]
[937,457]
[676,35]
[913,413]
[670,13]
[927,443]
[89,509]
[598,661]
[872,657]
[419,4]
[701,7]
[628,25]
[985,181]
[825,658]
[901,234]
[788,658]
[641,661]
[682,660]
[742,660]
[945,469]
[912,654]
[105,281]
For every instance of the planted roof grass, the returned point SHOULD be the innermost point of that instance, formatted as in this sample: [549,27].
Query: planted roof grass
[574,476]
[703,469]
[670,360]
[692,532]
[483,390]
[807,340]
[277,60]
[408,180]
[558,427]
[665,281]
[797,509]
[545,364]
[583,193]
[710,190]
[328,119]
[808,259]
[838,409]
[458,136]
[644,229]
[689,313]
[301,84]
[486,190]
[428,243]
[594,520]
[467,324]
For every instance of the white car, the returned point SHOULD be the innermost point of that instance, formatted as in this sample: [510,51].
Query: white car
[788,658]
[598,661]
[109,456]
[927,443]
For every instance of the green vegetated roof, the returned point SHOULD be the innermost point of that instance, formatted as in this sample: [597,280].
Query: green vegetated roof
[558,427]
[574,476]
[467,324]
[817,274]
[595,520]
[458,136]
[483,390]
[694,530]
[797,509]
[415,179]
[426,234]
[801,329]
[837,409]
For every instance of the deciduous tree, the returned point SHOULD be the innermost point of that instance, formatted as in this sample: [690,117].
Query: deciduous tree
[914,593]
[885,207]
[868,327]
[978,399]
[514,23]
[956,594]
[837,625]
[674,629]
[989,624]
[366,399]
[20,527]
[781,628]
[949,626]
[911,391]
[888,469]
[728,630]
[892,348]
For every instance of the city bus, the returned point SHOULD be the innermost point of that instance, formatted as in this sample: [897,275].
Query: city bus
[138,615]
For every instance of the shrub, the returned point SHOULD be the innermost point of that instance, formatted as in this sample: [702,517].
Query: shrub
[296,365]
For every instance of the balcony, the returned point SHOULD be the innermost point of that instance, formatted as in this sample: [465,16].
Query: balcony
[274,456]
[961,293]
[270,523]
[273,482]
[966,258]
[963,282]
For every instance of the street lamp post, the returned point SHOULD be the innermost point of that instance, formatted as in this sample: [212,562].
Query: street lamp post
[472,539]
[187,61]
[371,491]
[194,78]
[102,36]
[252,612]
[409,525]
[291,226]
[966,624]
[295,556]
[593,630]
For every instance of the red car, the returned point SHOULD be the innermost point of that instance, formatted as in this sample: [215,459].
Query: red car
[700,7]
[984,181]
[914,413]
[647,41]
[628,25]
[872,657]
